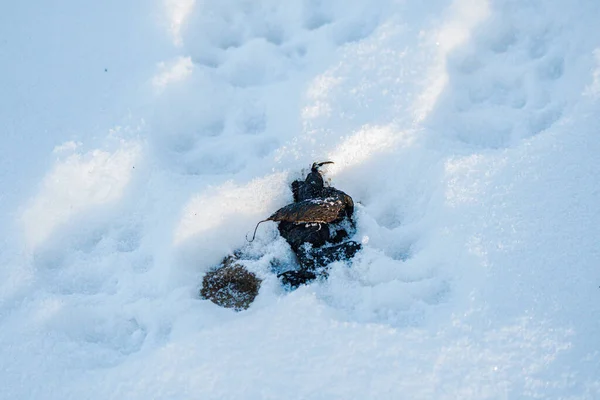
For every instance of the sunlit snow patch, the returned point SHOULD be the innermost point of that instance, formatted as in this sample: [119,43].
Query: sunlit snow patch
[365,144]
[207,211]
[462,187]
[317,93]
[66,147]
[79,182]
[174,71]
[465,15]
[178,11]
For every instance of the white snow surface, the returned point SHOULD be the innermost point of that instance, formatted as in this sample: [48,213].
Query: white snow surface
[141,140]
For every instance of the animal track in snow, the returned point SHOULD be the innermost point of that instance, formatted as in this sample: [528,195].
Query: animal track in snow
[214,129]
[207,60]
[501,85]
[274,35]
[384,291]
[537,46]
[316,21]
[354,31]
[240,54]
[390,218]
[552,69]
[503,41]
[316,14]
[543,120]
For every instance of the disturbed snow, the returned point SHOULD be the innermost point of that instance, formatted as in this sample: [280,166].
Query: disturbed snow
[142,141]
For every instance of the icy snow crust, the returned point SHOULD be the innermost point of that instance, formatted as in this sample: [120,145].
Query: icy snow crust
[466,132]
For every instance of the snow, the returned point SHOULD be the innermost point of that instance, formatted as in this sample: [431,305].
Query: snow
[141,141]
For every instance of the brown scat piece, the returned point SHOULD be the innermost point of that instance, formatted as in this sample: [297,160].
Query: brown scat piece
[321,211]
[230,285]
[313,258]
[314,211]
[298,234]
[345,199]
[296,186]
[295,278]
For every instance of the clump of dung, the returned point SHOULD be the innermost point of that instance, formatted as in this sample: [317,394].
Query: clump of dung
[230,285]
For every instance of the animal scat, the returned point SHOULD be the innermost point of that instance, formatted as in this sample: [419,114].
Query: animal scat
[230,285]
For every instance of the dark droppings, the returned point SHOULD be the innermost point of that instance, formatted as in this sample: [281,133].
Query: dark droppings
[317,225]
[230,285]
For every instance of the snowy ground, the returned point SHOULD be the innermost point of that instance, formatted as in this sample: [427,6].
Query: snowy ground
[140,141]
